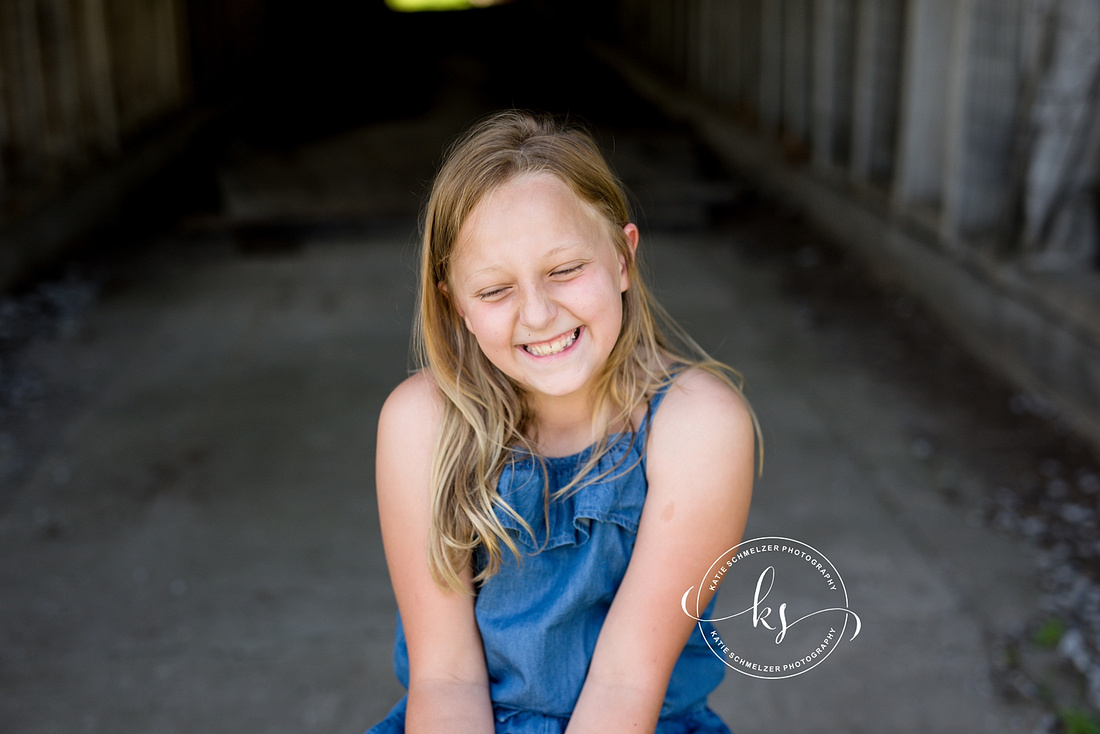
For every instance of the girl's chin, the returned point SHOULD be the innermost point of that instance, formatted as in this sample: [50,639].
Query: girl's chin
[556,390]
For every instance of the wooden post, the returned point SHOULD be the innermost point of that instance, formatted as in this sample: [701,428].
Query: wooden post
[796,55]
[824,83]
[656,39]
[918,177]
[5,114]
[166,50]
[955,118]
[28,98]
[771,65]
[98,78]
[703,48]
[735,50]
[62,84]
[863,96]
[681,23]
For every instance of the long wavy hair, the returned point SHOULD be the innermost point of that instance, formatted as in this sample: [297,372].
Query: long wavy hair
[487,417]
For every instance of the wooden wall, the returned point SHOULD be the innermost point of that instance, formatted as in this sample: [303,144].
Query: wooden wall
[80,77]
[974,119]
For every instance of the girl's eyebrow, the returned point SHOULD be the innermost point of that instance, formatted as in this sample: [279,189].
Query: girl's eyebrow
[489,269]
[560,248]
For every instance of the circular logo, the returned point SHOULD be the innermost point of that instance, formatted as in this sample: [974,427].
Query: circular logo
[783,612]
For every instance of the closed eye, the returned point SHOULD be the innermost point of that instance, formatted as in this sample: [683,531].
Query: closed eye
[490,294]
[568,270]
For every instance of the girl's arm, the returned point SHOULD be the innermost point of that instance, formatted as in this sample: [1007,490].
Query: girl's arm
[448,682]
[700,470]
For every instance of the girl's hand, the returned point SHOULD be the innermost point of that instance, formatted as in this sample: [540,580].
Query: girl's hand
[448,682]
[699,465]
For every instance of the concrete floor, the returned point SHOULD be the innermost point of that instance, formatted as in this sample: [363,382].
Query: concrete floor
[189,539]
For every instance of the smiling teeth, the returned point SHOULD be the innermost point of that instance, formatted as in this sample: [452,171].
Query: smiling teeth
[545,350]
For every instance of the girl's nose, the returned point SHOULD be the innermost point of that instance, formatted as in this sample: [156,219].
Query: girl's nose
[537,310]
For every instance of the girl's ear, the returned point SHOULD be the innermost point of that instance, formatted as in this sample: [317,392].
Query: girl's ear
[631,232]
[458,309]
[447,294]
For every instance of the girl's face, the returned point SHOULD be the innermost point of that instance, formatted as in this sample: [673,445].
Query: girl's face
[537,280]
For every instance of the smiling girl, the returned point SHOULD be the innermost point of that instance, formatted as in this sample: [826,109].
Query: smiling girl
[541,517]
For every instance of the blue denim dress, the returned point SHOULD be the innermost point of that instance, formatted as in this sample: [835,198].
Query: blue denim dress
[540,616]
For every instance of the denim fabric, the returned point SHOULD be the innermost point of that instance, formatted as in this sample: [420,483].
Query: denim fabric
[700,720]
[540,615]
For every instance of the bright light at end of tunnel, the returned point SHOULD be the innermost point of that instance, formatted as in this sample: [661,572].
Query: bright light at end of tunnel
[416,6]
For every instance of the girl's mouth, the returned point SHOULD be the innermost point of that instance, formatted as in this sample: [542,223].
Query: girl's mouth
[560,344]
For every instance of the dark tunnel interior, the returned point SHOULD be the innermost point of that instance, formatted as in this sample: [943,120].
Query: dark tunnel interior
[289,78]
[343,64]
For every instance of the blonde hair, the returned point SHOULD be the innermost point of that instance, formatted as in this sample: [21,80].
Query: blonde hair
[486,416]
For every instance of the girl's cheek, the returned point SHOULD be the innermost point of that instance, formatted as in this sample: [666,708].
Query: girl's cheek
[493,327]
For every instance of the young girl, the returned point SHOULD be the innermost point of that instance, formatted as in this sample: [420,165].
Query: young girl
[557,474]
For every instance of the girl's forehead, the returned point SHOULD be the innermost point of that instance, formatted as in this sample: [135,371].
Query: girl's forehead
[539,204]
[529,196]
[526,187]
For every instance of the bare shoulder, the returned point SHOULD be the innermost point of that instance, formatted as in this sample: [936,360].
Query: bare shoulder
[413,409]
[408,428]
[703,426]
[416,393]
[699,401]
